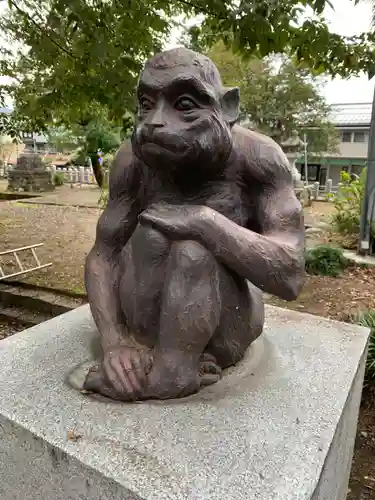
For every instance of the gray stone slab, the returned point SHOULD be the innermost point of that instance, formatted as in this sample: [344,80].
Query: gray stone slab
[279,426]
[368,260]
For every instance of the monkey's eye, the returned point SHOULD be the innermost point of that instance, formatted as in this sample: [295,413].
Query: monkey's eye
[146,104]
[185,104]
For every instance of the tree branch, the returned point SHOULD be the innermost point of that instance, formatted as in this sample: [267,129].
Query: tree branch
[201,8]
[41,30]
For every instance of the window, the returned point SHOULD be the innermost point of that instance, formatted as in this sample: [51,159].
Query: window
[359,136]
[357,169]
[346,137]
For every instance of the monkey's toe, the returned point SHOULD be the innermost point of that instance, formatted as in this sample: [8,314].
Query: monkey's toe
[209,370]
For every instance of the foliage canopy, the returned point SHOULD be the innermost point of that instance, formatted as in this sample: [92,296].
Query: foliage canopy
[74,61]
[278,98]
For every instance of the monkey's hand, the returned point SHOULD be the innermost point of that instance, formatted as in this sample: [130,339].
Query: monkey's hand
[122,375]
[176,221]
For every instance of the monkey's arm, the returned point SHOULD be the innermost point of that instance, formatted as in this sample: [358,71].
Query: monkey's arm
[114,229]
[272,261]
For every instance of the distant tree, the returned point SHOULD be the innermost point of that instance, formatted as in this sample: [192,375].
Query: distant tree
[63,139]
[278,96]
[87,140]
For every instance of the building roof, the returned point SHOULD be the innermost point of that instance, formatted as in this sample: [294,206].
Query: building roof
[355,114]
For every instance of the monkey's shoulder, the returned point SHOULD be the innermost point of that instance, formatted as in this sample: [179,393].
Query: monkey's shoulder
[261,157]
[126,172]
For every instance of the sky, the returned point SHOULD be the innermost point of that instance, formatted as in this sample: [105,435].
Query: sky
[349,20]
[345,19]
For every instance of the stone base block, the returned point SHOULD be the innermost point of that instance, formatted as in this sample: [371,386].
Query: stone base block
[279,426]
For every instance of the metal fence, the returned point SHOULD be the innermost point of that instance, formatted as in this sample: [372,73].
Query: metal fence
[74,175]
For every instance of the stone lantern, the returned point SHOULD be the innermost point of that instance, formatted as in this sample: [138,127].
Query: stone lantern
[292,148]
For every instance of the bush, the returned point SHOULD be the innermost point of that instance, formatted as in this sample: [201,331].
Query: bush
[107,160]
[103,200]
[325,260]
[367,319]
[58,179]
[348,204]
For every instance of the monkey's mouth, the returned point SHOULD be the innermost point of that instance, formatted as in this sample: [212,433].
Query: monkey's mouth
[170,148]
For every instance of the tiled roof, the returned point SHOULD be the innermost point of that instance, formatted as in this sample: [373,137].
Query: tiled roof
[351,114]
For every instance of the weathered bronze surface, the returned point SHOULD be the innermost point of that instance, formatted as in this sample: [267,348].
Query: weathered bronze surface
[201,218]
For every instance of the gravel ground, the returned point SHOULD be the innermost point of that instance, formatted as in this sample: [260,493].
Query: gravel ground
[8,328]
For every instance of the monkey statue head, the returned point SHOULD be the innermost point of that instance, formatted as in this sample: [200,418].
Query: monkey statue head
[184,114]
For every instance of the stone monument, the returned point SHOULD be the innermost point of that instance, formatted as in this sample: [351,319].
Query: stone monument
[171,386]
[279,426]
[30,174]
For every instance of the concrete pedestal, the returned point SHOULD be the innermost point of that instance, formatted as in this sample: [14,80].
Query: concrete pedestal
[279,426]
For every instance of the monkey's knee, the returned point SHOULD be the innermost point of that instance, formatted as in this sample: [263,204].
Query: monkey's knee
[149,240]
[190,255]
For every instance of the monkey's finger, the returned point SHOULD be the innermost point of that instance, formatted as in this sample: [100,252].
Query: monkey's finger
[114,373]
[156,216]
[147,217]
[133,378]
[147,362]
[146,221]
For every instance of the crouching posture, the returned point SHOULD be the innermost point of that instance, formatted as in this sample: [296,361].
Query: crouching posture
[201,218]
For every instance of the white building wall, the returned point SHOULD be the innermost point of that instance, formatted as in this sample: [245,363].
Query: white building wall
[353,149]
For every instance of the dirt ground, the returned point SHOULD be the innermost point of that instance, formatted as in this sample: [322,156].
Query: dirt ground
[68,233]
[65,222]
[319,211]
[362,480]
[336,298]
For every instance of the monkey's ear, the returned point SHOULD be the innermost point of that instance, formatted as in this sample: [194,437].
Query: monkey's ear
[230,104]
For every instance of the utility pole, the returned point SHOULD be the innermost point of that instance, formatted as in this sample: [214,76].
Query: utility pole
[368,206]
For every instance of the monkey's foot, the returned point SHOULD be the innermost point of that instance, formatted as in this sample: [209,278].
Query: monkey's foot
[209,370]
[128,374]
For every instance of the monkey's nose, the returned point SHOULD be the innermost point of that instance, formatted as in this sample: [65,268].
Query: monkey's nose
[156,120]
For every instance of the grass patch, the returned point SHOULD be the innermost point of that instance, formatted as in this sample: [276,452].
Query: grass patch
[367,319]
[325,260]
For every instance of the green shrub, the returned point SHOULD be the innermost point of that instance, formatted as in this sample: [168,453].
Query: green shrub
[108,160]
[367,319]
[348,204]
[103,200]
[325,260]
[58,179]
